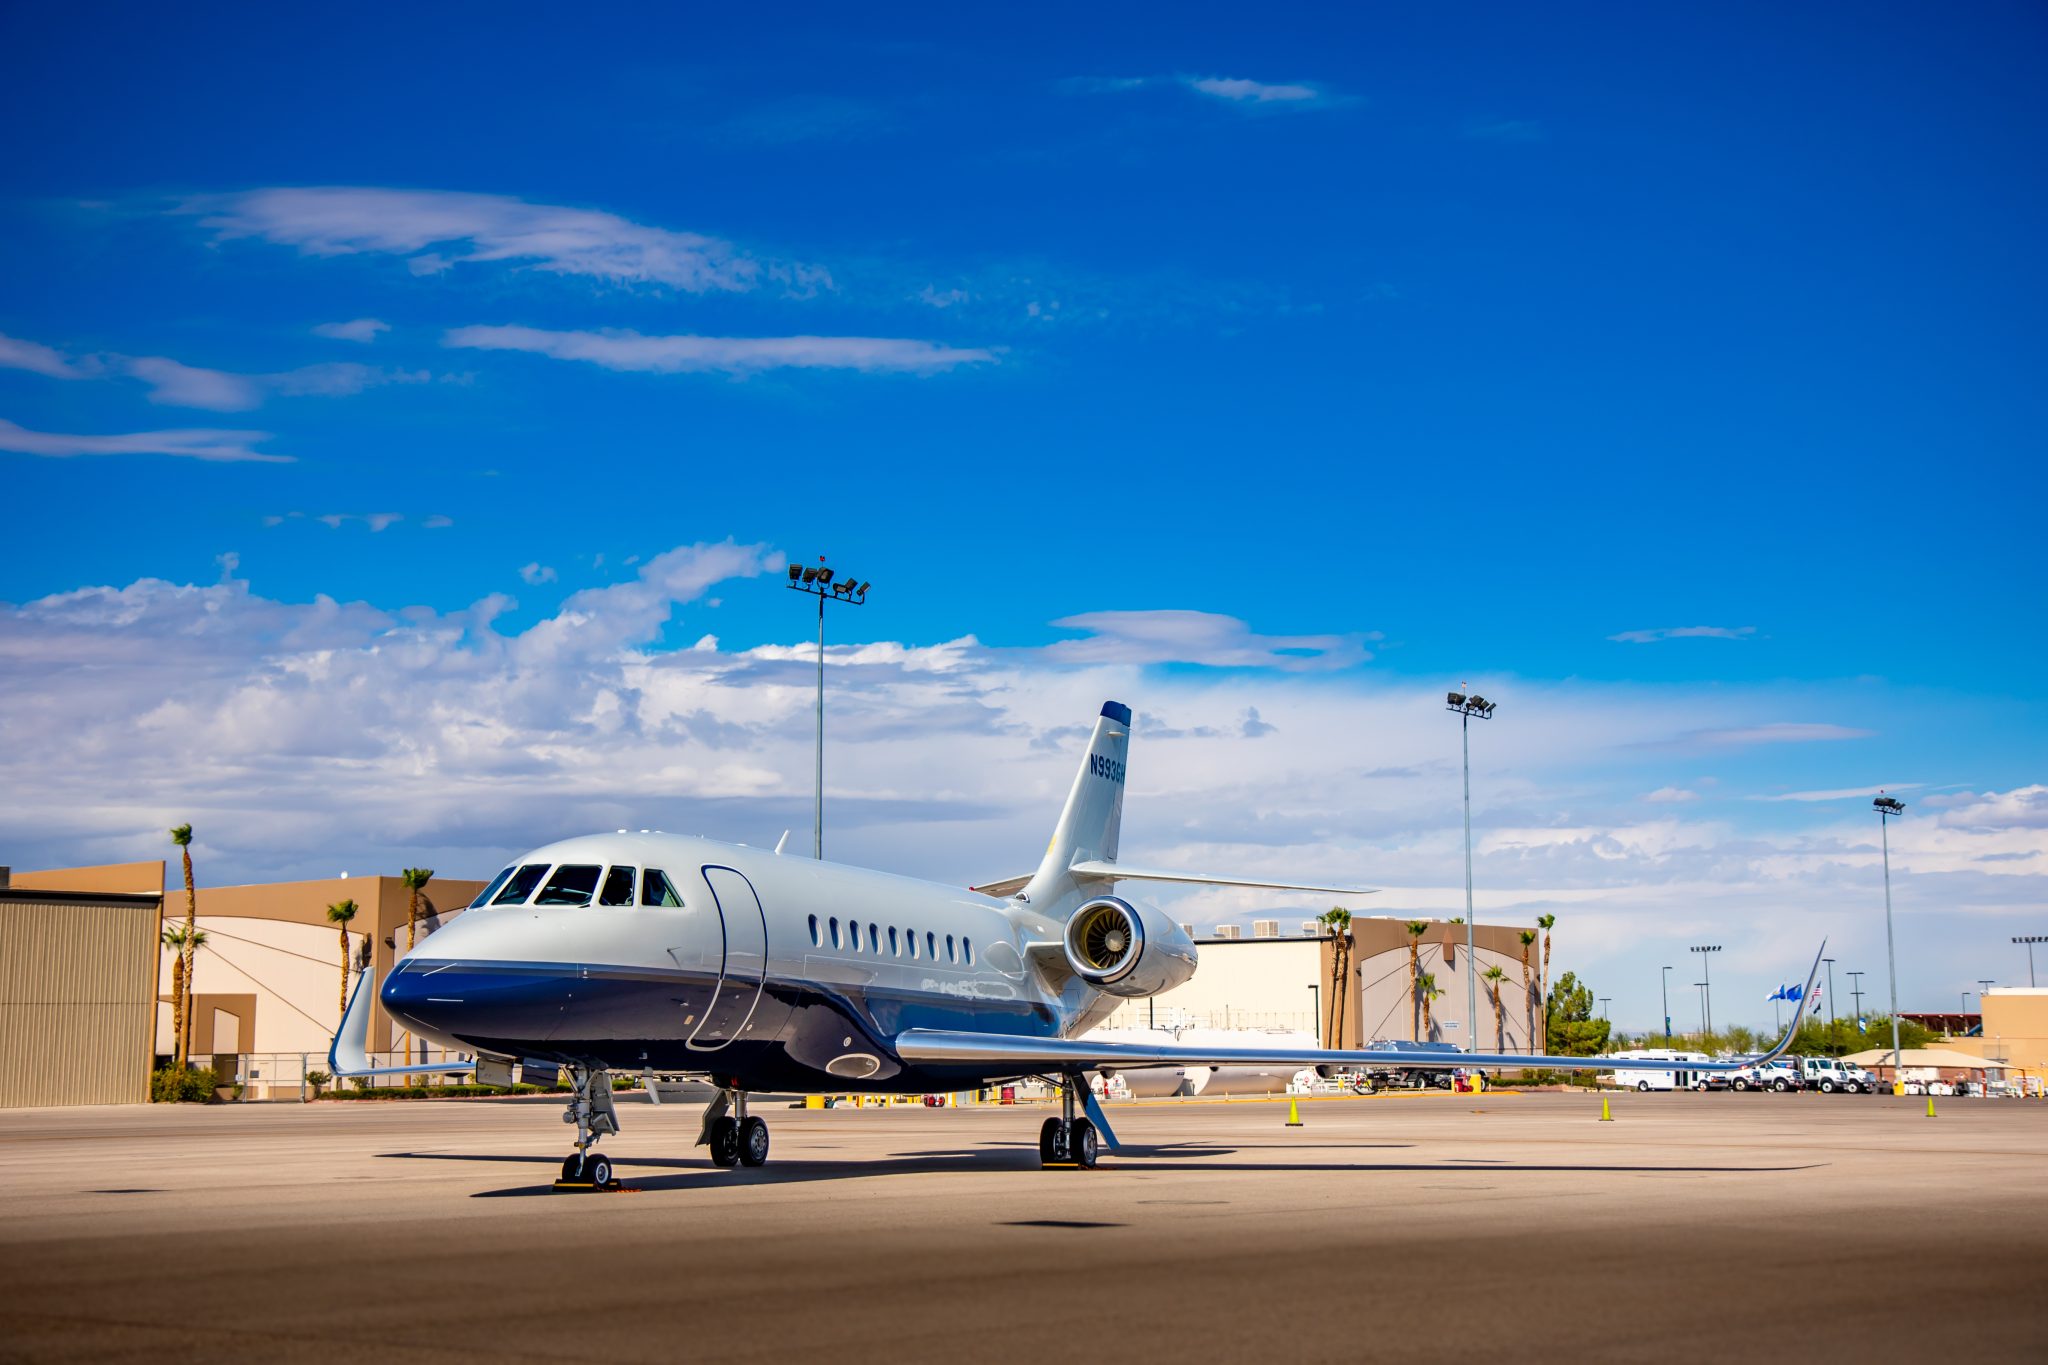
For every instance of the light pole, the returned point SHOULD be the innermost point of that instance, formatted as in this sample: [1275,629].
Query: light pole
[1664,984]
[1706,951]
[1886,807]
[1468,707]
[820,583]
[1701,987]
[2030,940]
[1831,990]
[1856,993]
[1315,1011]
[1605,1001]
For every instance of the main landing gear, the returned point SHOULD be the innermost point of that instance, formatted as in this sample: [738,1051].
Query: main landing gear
[1068,1141]
[735,1137]
[591,1110]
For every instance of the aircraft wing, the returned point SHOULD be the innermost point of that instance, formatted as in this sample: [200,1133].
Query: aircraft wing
[349,1054]
[1031,1055]
[1098,871]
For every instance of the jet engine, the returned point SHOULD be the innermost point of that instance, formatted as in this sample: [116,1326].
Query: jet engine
[1127,950]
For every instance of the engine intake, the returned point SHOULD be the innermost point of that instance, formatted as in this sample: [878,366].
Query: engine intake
[1127,950]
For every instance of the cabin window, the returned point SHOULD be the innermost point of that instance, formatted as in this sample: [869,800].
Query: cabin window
[656,889]
[814,931]
[931,945]
[572,884]
[521,886]
[967,947]
[910,937]
[875,939]
[895,948]
[949,949]
[618,887]
[484,896]
[835,932]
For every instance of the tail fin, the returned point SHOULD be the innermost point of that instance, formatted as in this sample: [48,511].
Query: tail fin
[1094,814]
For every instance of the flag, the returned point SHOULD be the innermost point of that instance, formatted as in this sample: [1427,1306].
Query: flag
[1778,994]
[1795,993]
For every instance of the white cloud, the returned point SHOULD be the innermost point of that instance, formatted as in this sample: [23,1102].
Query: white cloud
[33,356]
[188,386]
[537,573]
[1648,637]
[1671,796]
[1838,793]
[195,444]
[1777,732]
[362,329]
[466,228]
[438,521]
[1199,637]
[626,350]
[1239,91]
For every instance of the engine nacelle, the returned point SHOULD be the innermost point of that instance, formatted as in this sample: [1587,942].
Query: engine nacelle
[1127,950]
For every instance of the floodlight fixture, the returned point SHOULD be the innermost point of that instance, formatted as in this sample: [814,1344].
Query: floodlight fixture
[810,575]
[2030,940]
[1456,698]
[1706,952]
[796,571]
[1890,805]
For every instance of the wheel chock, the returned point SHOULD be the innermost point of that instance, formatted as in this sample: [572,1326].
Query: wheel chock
[1293,1112]
[612,1186]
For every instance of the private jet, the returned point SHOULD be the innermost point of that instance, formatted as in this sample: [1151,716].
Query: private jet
[671,957]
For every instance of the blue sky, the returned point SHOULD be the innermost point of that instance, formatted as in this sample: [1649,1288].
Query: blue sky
[1415,346]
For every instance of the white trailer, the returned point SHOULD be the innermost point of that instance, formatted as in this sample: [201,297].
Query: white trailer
[1679,1077]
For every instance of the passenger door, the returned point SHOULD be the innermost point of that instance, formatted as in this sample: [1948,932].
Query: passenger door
[745,963]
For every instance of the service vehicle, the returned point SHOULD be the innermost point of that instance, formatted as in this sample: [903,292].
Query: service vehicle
[1643,1075]
[1768,1076]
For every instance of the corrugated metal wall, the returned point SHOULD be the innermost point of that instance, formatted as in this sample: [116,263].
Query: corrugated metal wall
[77,1002]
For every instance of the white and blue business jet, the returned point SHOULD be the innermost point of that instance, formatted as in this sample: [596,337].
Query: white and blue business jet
[670,956]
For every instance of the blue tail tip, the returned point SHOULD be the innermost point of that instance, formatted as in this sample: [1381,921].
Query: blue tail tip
[1117,711]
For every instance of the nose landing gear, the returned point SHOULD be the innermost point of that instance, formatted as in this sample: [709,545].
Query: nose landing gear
[591,1110]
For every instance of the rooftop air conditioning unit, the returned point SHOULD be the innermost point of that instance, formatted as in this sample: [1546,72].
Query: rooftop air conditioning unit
[1311,928]
[1229,931]
[1265,928]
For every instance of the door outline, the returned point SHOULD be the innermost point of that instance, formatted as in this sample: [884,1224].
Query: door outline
[725,979]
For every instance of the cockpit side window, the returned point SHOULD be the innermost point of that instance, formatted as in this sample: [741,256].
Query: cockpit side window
[655,889]
[572,884]
[618,887]
[484,896]
[521,886]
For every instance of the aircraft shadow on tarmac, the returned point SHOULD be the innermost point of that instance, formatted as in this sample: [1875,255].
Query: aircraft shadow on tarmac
[696,1172]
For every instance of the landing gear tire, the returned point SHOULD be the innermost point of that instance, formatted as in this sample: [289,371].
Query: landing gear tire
[1083,1144]
[572,1168]
[753,1141]
[1052,1143]
[725,1142]
[599,1168]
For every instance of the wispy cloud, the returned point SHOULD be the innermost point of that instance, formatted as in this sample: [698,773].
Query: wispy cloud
[628,350]
[1237,90]
[219,446]
[176,384]
[1838,793]
[362,329]
[537,573]
[1671,796]
[1199,637]
[438,229]
[1651,637]
[16,354]
[1778,732]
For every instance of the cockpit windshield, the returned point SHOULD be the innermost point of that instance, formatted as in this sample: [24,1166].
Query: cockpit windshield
[655,889]
[572,884]
[484,896]
[618,887]
[521,886]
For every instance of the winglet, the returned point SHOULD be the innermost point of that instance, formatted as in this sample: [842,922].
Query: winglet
[1798,1012]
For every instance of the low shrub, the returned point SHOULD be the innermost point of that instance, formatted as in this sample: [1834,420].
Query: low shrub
[435,1092]
[187,1085]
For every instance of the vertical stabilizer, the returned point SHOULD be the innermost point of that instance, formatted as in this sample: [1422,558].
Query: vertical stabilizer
[1094,812]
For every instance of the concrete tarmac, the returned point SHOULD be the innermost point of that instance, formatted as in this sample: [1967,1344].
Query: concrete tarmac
[1500,1227]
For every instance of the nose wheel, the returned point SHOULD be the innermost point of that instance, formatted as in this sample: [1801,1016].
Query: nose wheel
[592,1112]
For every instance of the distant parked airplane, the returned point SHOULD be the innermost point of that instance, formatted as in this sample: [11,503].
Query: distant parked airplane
[664,955]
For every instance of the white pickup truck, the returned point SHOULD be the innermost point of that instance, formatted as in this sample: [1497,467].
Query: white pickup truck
[1780,1075]
[1828,1074]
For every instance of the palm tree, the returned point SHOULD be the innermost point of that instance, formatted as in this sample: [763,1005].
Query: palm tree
[338,915]
[415,880]
[1493,976]
[1528,993]
[182,973]
[186,943]
[1338,921]
[1416,929]
[1544,922]
[1425,986]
